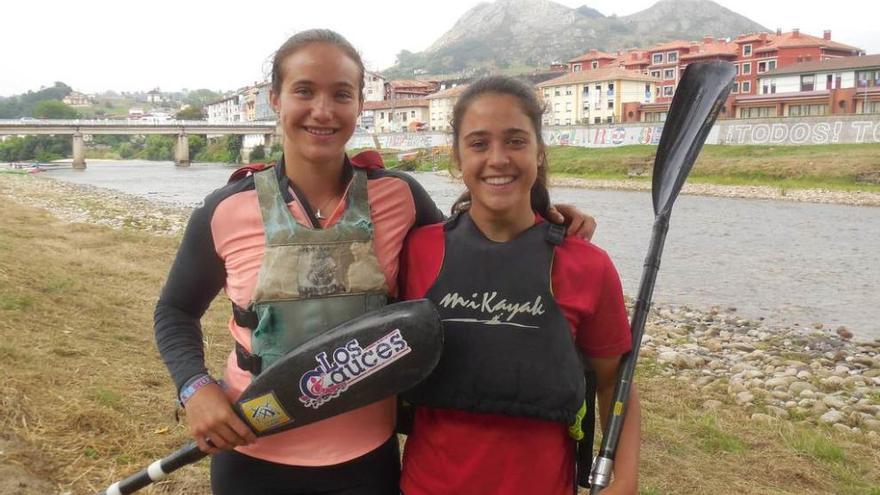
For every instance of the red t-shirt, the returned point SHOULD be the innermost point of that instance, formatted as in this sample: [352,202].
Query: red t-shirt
[453,452]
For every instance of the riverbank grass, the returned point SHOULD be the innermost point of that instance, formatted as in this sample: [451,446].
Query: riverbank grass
[848,167]
[86,399]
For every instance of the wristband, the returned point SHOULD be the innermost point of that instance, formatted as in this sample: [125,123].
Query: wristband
[194,385]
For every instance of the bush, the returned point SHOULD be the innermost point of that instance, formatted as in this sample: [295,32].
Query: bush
[258,153]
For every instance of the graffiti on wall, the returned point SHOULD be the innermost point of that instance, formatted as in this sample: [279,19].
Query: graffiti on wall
[788,131]
[603,136]
[794,133]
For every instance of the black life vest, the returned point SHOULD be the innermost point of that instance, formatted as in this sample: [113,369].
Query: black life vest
[508,348]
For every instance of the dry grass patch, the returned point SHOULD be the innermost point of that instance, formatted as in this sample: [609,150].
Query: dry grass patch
[85,399]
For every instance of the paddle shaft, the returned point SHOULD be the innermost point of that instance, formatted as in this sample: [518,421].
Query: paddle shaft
[602,466]
[156,471]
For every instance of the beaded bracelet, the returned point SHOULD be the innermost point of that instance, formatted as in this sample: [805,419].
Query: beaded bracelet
[194,385]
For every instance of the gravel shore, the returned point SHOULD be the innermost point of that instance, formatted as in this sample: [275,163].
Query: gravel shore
[812,374]
[858,198]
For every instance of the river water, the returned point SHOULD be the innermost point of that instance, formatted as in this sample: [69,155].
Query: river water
[789,263]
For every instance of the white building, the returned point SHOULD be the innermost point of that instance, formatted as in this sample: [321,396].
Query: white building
[595,96]
[374,86]
[409,114]
[440,107]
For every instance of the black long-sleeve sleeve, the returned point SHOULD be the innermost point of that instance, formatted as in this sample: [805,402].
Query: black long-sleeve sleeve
[196,277]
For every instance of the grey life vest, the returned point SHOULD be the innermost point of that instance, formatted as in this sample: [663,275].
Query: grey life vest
[311,279]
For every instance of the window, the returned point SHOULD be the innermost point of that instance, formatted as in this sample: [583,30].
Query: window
[568,90]
[568,121]
[597,120]
[657,58]
[672,57]
[736,67]
[547,93]
[747,50]
[609,120]
[595,64]
[762,67]
[735,88]
[807,110]
[586,90]
[576,68]
[746,87]
[412,114]
[655,73]
[807,82]
[771,65]
[598,87]
[556,92]
[610,105]
[610,89]
[557,121]
[768,88]
[403,115]
[757,112]
[667,90]
[873,107]
[556,107]
[568,106]
[669,74]
[747,68]
[829,81]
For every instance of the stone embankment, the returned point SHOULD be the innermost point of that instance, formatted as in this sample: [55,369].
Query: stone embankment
[808,374]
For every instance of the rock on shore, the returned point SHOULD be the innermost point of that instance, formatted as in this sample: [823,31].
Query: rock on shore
[801,373]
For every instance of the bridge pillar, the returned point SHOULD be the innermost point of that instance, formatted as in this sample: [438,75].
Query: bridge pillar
[181,151]
[79,155]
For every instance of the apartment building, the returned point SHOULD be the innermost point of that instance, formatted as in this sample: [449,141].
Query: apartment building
[399,115]
[374,86]
[440,105]
[835,86]
[596,96]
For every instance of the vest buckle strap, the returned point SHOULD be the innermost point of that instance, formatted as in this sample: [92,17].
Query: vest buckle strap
[246,318]
[247,361]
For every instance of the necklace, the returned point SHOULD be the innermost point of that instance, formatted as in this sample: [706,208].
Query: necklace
[318,214]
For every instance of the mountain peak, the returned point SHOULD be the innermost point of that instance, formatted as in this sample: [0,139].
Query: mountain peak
[519,35]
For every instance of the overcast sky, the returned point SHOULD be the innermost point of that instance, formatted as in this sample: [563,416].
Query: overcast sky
[95,45]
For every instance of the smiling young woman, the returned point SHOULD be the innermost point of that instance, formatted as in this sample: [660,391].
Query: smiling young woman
[519,301]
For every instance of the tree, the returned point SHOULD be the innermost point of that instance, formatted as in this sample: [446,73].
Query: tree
[201,97]
[258,153]
[233,146]
[196,144]
[190,113]
[158,148]
[54,109]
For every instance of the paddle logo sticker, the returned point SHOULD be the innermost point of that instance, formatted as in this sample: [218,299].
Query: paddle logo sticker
[347,365]
[264,412]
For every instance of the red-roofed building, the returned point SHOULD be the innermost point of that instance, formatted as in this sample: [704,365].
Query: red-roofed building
[594,59]
[763,52]
[665,64]
[408,88]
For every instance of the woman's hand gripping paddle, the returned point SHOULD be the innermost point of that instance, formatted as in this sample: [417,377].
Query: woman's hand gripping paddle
[695,106]
[360,362]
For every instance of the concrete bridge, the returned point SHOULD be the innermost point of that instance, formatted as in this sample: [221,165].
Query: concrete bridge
[180,128]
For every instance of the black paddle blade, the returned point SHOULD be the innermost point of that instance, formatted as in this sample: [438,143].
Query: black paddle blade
[695,106]
[362,361]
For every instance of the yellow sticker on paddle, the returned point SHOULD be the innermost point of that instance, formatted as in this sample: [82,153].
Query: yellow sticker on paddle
[618,408]
[264,412]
